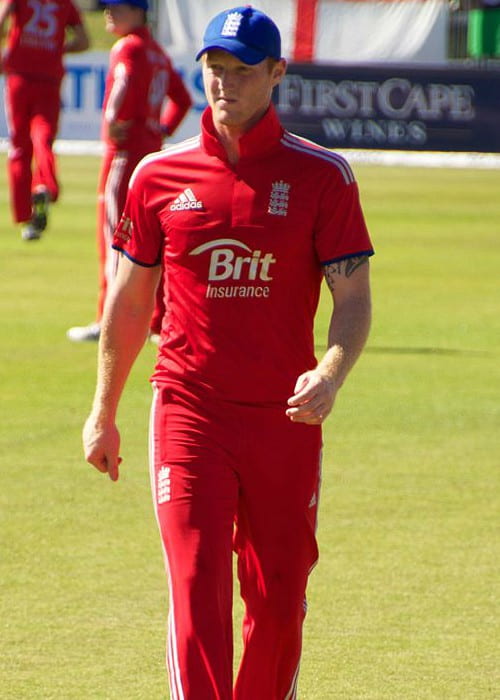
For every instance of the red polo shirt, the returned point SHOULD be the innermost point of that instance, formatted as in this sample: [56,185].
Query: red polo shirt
[243,248]
[151,79]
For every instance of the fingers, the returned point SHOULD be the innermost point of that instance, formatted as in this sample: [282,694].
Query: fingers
[312,400]
[113,469]
[101,444]
[313,413]
[105,465]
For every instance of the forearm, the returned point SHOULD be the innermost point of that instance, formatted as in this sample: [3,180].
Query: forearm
[116,98]
[77,41]
[123,332]
[173,115]
[347,335]
[5,10]
[117,130]
[315,390]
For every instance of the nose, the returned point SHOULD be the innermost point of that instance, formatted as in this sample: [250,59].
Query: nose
[226,80]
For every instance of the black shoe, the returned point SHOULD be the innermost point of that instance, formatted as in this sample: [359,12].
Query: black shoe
[30,233]
[40,210]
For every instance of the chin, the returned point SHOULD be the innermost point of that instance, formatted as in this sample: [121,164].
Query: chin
[226,118]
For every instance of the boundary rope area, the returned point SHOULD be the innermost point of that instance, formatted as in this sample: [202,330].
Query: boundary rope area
[415,159]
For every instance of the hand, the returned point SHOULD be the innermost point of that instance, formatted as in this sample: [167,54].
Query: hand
[118,131]
[313,398]
[101,444]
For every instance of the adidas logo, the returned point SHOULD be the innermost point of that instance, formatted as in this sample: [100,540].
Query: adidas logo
[186,200]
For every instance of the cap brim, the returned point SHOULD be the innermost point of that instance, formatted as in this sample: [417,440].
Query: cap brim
[140,6]
[244,53]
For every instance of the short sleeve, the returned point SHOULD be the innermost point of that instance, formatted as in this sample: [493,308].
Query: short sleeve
[138,234]
[341,230]
[126,57]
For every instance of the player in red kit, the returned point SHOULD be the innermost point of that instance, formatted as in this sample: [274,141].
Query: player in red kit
[145,100]
[40,32]
[246,220]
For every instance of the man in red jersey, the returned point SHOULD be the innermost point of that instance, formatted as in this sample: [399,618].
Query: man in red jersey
[247,219]
[40,32]
[144,101]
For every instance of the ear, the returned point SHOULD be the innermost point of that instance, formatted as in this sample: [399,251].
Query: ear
[279,70]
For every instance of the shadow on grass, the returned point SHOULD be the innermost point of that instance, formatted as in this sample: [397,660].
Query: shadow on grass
[387,350]
[426,351]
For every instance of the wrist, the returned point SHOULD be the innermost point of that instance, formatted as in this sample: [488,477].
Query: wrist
[329,370]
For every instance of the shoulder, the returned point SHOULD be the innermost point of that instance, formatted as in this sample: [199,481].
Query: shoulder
[318,157]
[70,5]
[125,45]
[155,163]
[72,10]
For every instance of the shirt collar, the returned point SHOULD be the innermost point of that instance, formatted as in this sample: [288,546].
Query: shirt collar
[256,142]
[142,31]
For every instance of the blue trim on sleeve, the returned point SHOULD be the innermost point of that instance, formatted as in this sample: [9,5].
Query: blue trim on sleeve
[137,262]
[369,253]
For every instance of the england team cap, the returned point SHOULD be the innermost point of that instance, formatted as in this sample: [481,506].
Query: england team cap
[142,4]
[245,32]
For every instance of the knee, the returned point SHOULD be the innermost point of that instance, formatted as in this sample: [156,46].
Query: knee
[281,600]
[20,152]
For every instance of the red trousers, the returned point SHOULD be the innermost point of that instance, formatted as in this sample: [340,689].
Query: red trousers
[116,170]
[233,477]
[33,116]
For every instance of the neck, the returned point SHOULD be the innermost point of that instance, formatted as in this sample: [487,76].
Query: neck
[229,135]
[230,139]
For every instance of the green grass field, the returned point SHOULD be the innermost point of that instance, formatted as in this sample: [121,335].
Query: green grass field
[99,38]
[403,604]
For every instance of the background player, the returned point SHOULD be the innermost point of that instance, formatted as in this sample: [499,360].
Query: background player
[36,42]
[136,119]
[247,219]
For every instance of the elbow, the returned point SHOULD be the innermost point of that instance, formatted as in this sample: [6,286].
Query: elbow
[84,42]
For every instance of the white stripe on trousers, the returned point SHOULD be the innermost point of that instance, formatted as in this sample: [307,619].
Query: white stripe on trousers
[292,693]
[175,680]
[174,673]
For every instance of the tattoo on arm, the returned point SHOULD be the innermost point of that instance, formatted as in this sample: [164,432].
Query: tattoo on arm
[343,268]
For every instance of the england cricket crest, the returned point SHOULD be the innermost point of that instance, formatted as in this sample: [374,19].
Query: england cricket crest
[278,201]
[232,24]
[163,485]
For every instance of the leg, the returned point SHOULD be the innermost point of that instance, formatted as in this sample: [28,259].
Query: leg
[276,547]
[195,496]
[44,130]
[18,97]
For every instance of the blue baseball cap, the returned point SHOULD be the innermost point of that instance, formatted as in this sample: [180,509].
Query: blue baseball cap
[245,32]
[142,4]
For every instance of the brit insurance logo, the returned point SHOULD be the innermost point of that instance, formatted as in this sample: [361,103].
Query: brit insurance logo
[235,270]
